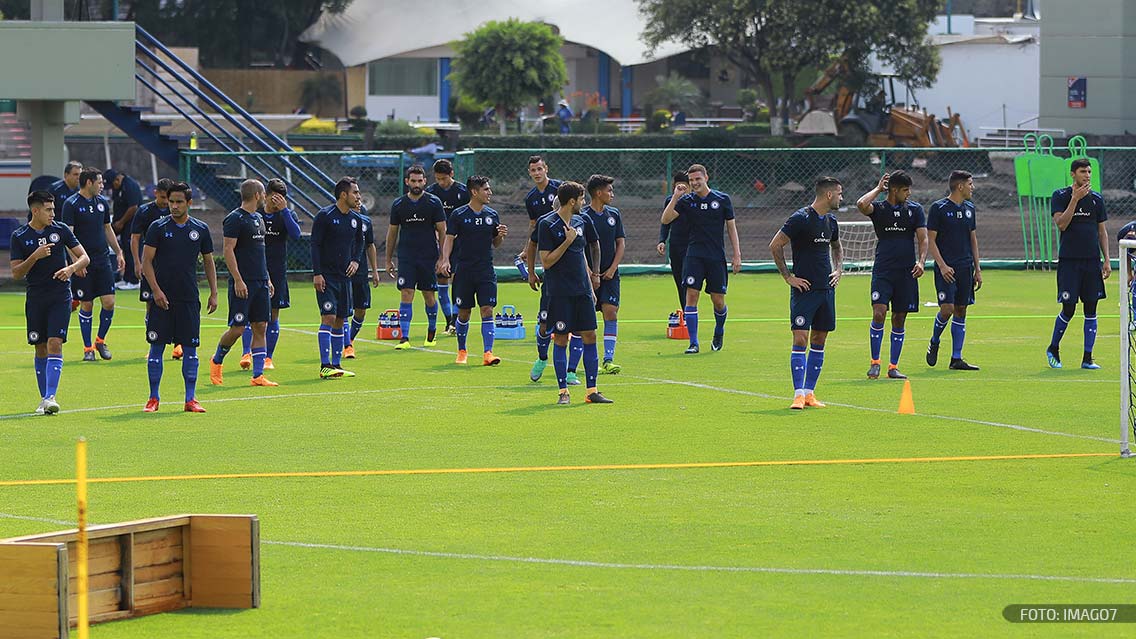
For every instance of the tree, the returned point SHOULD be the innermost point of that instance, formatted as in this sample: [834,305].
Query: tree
[777,40]
[675,91]
[319,90]
[508,63]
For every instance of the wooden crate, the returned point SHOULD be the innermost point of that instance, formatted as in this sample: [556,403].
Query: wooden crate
[134,568]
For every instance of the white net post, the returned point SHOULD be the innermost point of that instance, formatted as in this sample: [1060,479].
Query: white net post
[858,239]
[1127,361]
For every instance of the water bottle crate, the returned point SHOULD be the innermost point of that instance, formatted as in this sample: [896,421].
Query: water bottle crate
[388,327]
[676,326]
[509,324]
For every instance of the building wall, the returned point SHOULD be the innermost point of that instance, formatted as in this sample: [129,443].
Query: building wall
[271,90]
[1097,44]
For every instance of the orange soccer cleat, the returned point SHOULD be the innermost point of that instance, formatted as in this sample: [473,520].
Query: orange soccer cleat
[798,402]
[489,359]
[151,405]
[216,373]
[463,357]
[812,401]
[246,361]
[261,380]
[193,406]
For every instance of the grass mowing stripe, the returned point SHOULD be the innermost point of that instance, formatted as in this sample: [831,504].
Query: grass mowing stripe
[550,469]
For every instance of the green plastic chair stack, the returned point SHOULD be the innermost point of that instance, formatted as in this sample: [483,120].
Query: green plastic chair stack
[1025,200]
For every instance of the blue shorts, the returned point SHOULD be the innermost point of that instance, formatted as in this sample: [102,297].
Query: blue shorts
[815,310]
[335,298]
[571,314]
[98,281]
[180,324]
[608,292]
[959,292]
[47,317]
[252,309]
[898,288]
[361,292]
[1079,280]
[280,295]
[466,286]
[417,274]
[711,270]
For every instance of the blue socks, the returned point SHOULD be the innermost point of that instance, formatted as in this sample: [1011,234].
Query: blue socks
[797,365]
[1090,333]
[543,339]
[258,355]
[432,318]
[611,327]
[219,356]
[896,345]
[560,365]
[487,332]
[720,322]
[336,346]
[691,315]
[958,335]
[462,332]
[405,312]
[324,339]
[105,318]
[940,324]
[189,371]
[444,299]
[575,352]
[246,339]
[85,326]
[53,373]
[154,369]
[813,366]
[875,339]
[41,375]
[356,327]
[1059,326]
[591,365]
[272,335]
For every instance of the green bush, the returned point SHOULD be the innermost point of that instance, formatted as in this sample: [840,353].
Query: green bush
[659,121]
[750,128]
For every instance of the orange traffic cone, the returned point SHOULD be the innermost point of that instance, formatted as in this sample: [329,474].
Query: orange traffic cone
[906,403]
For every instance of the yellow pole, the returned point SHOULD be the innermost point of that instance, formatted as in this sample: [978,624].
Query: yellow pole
[81,494]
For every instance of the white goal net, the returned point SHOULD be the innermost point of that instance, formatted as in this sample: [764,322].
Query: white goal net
[1127,345]
[858,239]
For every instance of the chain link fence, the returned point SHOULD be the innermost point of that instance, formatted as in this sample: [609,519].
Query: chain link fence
[766,186]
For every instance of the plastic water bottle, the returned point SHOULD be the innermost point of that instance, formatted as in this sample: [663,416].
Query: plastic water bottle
[519,262]
[672,322]
[520,320]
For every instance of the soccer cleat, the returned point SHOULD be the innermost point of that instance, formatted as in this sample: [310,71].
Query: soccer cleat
[216,373]
[538,369]
[597,398]
[1053,358]
[101,347]
[932,354]
[874,371]
[798,402]
[246,361]
[268,365]
[489,359]
[151,405]
[463,357]
[431,337]
[88,354]
[343,372]
[564,399]
[610,368]
[1089,364]
[403,345]
[691,350]
[177,351]
[572,379]
[329,372]
[194,406]
[261,380]
[716,343]
[451,330]
[812,401]
[961,365]
[893,373]
[50,406]
[41,409]
[349,351]
[428,342]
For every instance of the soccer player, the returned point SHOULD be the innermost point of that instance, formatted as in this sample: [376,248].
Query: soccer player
[954,247]
[280,225]
[539,201]
[707,213]
[608,226]
[360,293]
[125,201]
[250,287]
[476,229]
[66,187]
[39,252]
[817,267]
[337,252]
[453,195]
[88,215]
[570,283]
[417,228]
[146,215]
[678,234]
[1079,213]
[169,264]
[898,223]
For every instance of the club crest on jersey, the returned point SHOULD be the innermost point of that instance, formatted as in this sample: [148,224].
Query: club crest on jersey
[401,281]
[152,335]
[611,221]
[194,235]
[354,224]
[145,295]
[799,320]
[239,317]
[690,280]
[714,204]
[327,306]
[100,207]
[458,301]
[969,214]
[543,316]
[875,295]
[942,296]
[1064,295]
[79,293]
[488,219]
[33,336]
[561,326]
[54,237]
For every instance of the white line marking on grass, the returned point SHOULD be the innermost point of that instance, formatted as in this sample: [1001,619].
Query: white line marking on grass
[38,519]
[679,567]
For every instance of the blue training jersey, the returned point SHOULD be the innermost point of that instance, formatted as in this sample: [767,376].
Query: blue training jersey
[811,236]
[88,218]
[476,231]
[706,219]
[248,229]
[1081,239]
[953,224]
[539,203]
[176,248]
[61,192]
[416,220]
[364,272]
[608,226]
[146,215]
[895,227]
[40,280]
[569,275]
[337,240]
[452,198]
[279,227]
[678,231]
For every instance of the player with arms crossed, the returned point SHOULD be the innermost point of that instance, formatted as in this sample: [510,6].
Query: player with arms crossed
[817,267]
[953,242]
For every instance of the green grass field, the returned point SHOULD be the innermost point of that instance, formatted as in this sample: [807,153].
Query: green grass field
[895,544]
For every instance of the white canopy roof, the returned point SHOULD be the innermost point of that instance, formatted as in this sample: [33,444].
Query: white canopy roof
[374,29]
